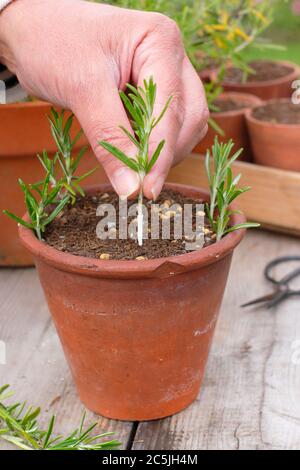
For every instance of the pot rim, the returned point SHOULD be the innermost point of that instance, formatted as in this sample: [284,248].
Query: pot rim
[26,104]
[277,125]
[235,112]
[275,81]
[126,269]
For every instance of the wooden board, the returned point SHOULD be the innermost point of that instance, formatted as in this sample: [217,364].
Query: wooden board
[35,365]
[274,200]
[250,398]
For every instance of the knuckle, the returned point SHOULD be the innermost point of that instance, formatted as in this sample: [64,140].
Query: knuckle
[167,26]
[198,121]
[105,131]
[201,115]
[204,114]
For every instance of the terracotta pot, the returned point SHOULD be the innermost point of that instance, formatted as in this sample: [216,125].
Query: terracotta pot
[210,72]
[233,124]
[275,145]
[208,75]
[24,132]
[136,334]
[276,88]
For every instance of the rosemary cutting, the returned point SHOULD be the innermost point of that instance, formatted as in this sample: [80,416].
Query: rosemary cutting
[45,199]
[140,105]
[223,188]
[19,426]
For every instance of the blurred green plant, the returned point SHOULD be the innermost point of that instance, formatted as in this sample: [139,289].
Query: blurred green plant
[226,28]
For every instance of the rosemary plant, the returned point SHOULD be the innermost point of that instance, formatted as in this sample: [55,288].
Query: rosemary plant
[140,105]
[45,199]
[42,212]
[19,426]
[223,188]
[61,132]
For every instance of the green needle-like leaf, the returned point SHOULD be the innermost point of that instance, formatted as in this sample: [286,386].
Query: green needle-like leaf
[119,155]
[19,427]
[17,219]
[155,155]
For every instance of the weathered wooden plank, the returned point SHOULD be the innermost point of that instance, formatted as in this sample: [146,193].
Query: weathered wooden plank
[274,200]
[35,365]
[250,397]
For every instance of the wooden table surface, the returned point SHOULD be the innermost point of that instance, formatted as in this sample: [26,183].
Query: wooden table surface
[250,398]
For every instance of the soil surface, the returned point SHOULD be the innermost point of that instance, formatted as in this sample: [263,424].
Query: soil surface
[278,113]
[229,105]
[263,70]
[74,230]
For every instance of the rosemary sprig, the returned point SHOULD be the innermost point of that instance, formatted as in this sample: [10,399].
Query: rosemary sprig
[45,199]
[140,105]
[19,426]
[61,132]
[223,188]
[41,212]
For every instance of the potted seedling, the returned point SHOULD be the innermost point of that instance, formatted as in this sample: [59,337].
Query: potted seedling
[274,129]
[266,79]
[225,30]
[135,316]
[227,119]
[24,132]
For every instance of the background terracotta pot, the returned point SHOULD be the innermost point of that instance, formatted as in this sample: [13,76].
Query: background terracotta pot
[266,90]
[208,75]
[233,124]
[136,334]
[24,132]
[275,145]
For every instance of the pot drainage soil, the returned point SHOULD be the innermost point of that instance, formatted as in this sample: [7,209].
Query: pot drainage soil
[74,231]
[278,113]
[264,71]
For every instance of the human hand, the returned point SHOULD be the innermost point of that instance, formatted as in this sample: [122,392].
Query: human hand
[78,55]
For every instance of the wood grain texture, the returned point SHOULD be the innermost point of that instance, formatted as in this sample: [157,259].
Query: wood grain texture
[250,398]
[35,365]
[274,200]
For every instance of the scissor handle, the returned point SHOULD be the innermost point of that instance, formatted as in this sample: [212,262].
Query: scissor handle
[288,277]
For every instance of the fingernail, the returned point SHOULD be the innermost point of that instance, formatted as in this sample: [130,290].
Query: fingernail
[125,182]
[157,187]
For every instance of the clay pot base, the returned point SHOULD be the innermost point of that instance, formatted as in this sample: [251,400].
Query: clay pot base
[264,71]
[75,230]
[278,113]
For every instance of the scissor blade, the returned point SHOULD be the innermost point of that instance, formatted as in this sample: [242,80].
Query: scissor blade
[262,299]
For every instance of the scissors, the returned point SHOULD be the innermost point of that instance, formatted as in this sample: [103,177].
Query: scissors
[282,289]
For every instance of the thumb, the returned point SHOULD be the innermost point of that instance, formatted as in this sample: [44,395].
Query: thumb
[101,113]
